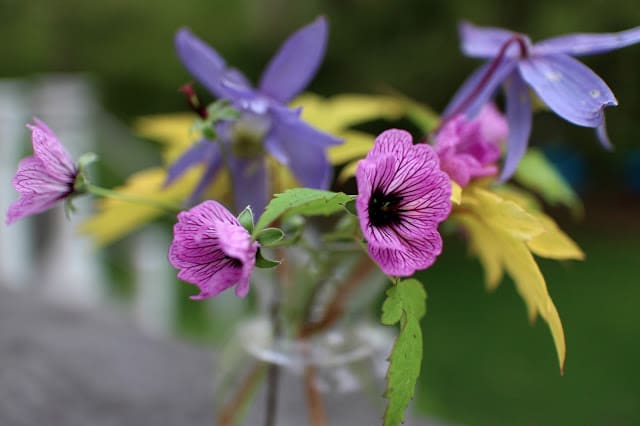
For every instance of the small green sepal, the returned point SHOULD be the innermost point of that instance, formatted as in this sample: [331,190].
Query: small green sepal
[350,206]
[263,262]
[269,237]
[246,219]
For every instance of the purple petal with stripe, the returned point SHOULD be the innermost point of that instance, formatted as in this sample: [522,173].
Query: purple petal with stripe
[208,67]
[301,148]
[478,89]
[212,250]
[482,42]
[203,151]
[296,62]
[250,184]
[519,117]
[569,88]
[588,44]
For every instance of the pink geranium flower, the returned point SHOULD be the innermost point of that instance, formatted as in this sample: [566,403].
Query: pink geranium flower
[469,149]
[212,250]
[45,178]
[402,197]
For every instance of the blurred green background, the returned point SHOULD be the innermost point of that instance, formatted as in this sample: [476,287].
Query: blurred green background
[484,364]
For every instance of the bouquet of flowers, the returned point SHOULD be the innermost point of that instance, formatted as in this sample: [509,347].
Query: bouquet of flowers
[469,174]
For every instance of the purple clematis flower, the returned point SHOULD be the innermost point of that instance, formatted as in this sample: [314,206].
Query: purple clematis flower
[402,197]
[212,250]
[469,149]
[266,124]
[45,178]
[568,87]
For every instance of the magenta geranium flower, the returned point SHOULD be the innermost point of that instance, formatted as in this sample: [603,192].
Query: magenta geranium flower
[469,149]
[212,250]
[402,197]
[45,178]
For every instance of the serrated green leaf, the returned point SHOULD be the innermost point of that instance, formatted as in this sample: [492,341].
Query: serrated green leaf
[405,303]
[538,174]
[304,201]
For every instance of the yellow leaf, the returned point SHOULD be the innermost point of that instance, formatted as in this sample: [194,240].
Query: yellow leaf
[530,283]
[485,247]
[356,145]
[116,218]
[553,243]
[456,193]
[337,113]
[348,171]
[501,214]
[171,130]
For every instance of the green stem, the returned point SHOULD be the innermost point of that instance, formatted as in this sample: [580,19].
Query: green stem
[109,193]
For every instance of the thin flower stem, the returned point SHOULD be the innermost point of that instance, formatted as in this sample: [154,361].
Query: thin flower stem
[230,410]
[335,308]
[317,415]
[109,193]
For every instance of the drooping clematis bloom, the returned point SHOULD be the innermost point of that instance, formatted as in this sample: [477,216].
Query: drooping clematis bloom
[266,125]
[45,178]
[212,250]
[569,88]
[469,149]
[402,197]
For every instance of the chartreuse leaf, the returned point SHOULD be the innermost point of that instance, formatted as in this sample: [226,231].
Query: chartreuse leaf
[406,304]
[116,217]
[538,174]
[305,201]
[505,233]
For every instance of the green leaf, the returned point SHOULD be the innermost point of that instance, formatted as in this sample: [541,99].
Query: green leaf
[269,236]
[304,201]
[263,262]
[246,219]
[406,304]
[535,172]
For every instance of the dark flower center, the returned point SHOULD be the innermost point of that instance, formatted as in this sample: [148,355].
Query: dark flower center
[384,209]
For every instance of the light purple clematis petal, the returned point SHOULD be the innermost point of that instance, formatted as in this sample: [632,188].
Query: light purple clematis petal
[43,179]
[603,136]
[569,88]
[480,94]
[519,117]
[296,62]
[302,149]
[402,197]
[212,250]
[483,42]
[203,151]
[250,184]
[587,44]
[208,67]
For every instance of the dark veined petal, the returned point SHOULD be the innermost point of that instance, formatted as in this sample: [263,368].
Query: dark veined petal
[250,184]
[519,116]
[482,42]
[417,254]
[569,88]
[302,148]
[296,62]
[47,147]
[588,44]
[460,103]
[201,151]
[208,67]
[212,250]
